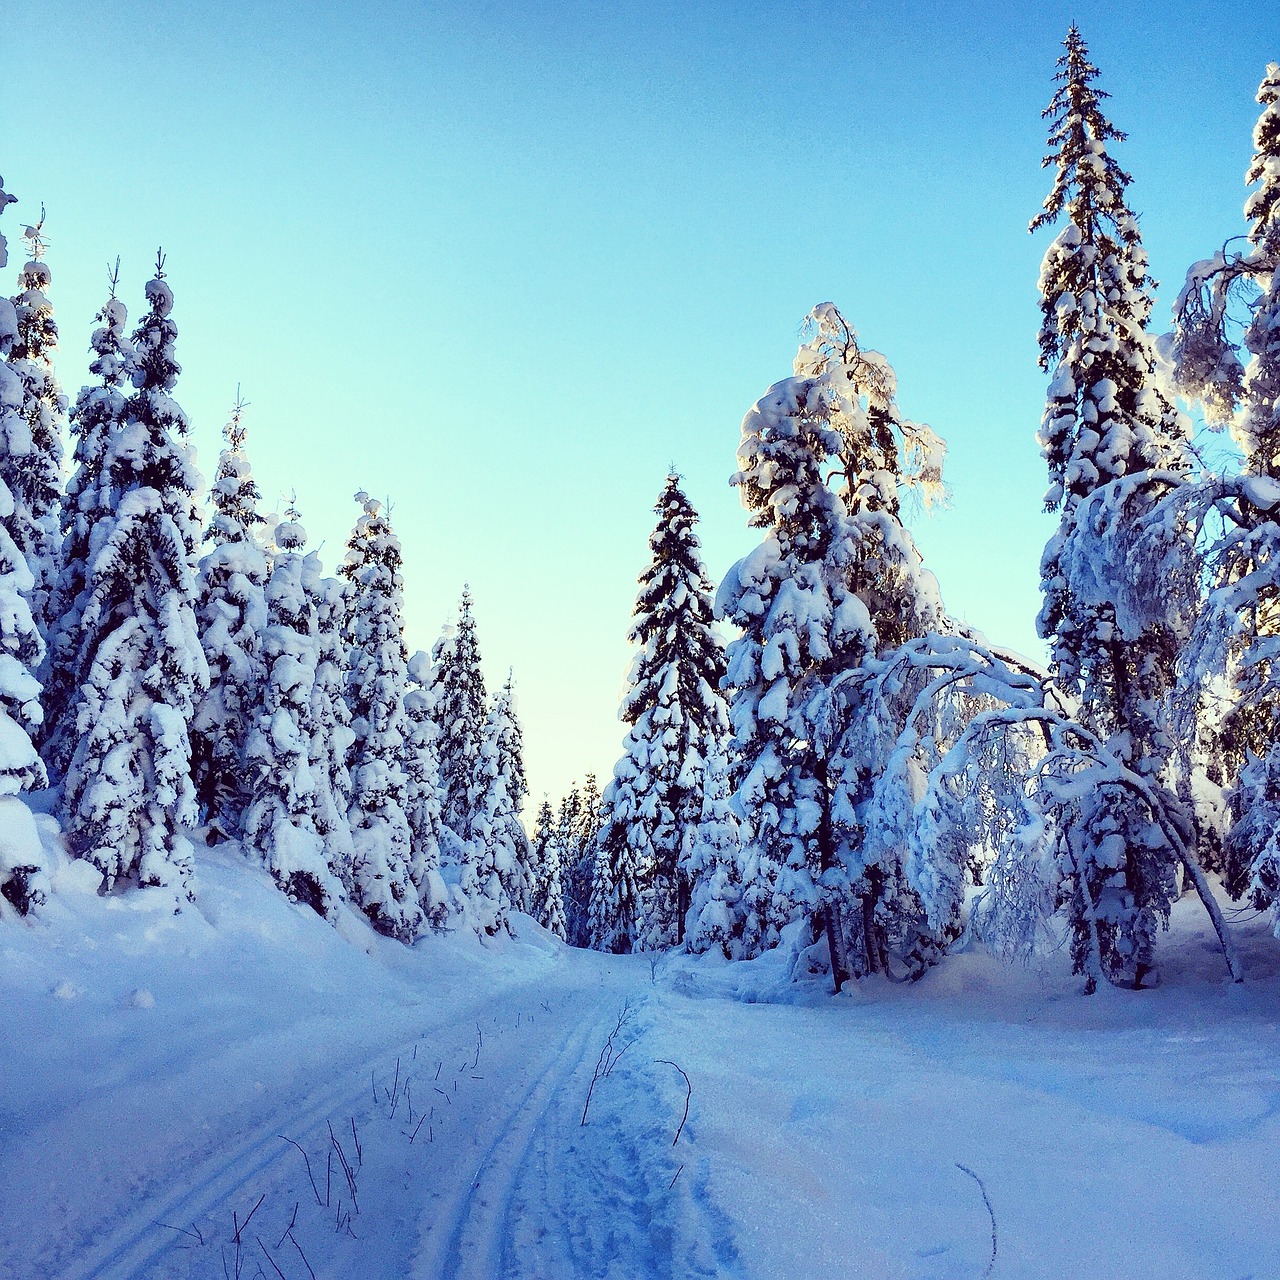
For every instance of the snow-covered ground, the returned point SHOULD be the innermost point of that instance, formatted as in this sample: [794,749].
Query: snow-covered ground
[154,1066]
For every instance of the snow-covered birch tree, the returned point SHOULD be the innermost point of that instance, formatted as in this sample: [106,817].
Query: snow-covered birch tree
[1229,695]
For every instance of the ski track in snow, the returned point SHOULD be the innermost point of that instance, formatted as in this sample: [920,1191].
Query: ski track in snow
[479,1219]
[504,1181]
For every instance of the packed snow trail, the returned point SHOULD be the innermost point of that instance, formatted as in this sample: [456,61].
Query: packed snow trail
[157,1070]
[451,1086]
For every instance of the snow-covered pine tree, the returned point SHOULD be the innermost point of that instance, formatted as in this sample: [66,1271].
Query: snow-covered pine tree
[22,870]
[87,505]
[1114,445]
[548,872]
[279,819]
[232,612]
[31,466]
[331,733]
[422,796]
[128,802]
[459,708]
[673,705]
[711,863]
[493,872]
[384,888]
[576,865]
[504,726]
[836,582]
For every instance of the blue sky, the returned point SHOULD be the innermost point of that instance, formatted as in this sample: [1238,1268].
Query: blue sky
[504,264]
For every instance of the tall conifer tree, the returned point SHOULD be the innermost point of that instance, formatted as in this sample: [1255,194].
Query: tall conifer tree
[232,613]
[547,907]
[128,802]
[331,733]
[505,728]
[459,707]
[279,820]
[422,799]
[1114,446]
[674,706]
[88,505]
[32,467]
[21,875]
[384,889]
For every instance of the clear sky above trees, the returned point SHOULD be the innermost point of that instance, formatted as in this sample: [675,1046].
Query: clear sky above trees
[503,265]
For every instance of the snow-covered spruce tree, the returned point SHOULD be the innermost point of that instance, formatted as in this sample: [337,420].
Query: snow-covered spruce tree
[547,859]
[674,706]
[711,863]
[422,796]
[87,506]
[128,802]
[1229,694]
[232,612]
[459,708]
[279,819]
[577,861]
[383,886]
[836,582]
[331,733]
[493,868]
[22,870]
[504,727]
[32,463]
[1115,446]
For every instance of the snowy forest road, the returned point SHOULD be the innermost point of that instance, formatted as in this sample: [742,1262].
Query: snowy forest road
[452,1148]
[158,1070]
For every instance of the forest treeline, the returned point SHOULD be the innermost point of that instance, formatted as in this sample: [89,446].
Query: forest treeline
[855,774]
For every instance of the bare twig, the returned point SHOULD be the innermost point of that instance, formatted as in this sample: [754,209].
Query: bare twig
[395,1091]
[305,1157]
[688,1094]
[608,1071]
[991,1213]
[678,1172]
[355,1137]
[414,1134]
[605,1063]
[294,1241]
[270,1259]
[479,1045]
[195,1235]
[346,1168]
[292,1223]
[241,1226]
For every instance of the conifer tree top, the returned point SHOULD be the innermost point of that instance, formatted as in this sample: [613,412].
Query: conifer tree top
[1088,183]
[235,494]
